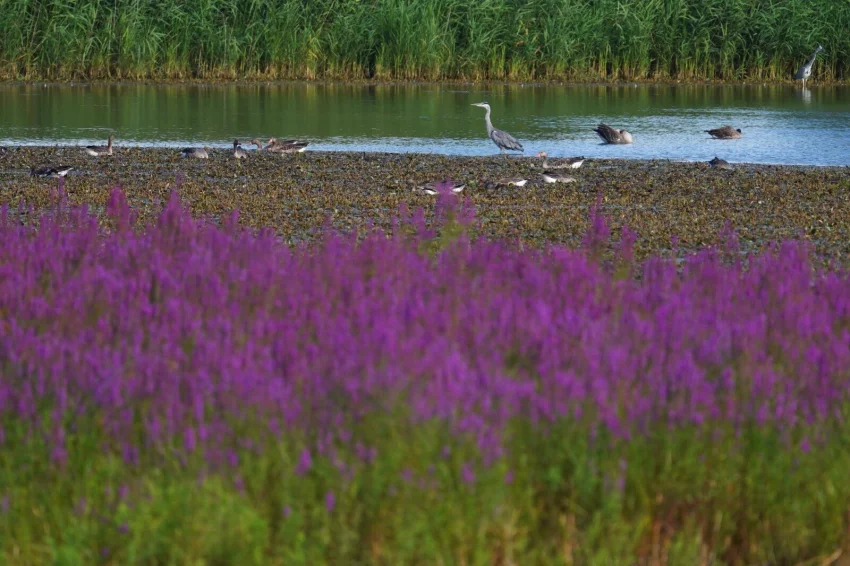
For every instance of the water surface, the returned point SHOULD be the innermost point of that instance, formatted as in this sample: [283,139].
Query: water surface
[781,124]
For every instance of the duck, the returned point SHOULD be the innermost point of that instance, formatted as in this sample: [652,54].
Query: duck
[613,136]
[718,163]
[569,163]
[557,178]
[431,188]
[97,150]
[51,171]
[286,146]
[198,152]
[725,133]
[238,152]
[257,143]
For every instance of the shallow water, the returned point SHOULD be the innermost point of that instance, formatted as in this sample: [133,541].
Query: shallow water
[781,124]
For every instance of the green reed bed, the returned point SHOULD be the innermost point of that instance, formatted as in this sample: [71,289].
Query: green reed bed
[421,39]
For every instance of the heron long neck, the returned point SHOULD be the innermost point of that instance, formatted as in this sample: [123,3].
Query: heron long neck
[490,127]
[814,56]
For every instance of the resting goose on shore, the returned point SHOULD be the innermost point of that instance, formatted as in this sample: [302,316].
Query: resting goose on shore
[286,146]
[197,152]
[725,133]
[718,163]
[557,178]
[238,152]
[97,150]
[51,171]
[569,163]
[431,188]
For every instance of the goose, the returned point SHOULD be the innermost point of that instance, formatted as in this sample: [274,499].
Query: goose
[51,171]
[97,150]
[725,133]
[431,188]
[286,146]
[557,178]
[198,152]
[718,163]
[238,152]
[569,163]
[515,181]
[503,140]
[612,136]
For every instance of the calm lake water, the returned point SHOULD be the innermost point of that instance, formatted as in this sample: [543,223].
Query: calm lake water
[781,124]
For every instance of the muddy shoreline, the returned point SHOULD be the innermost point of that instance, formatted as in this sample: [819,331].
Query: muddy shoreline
[294,194]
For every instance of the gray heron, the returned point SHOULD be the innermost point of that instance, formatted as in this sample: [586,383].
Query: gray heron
[97,150]
[196,152]
[725,133]
[503,140]
[286,146]
[238,152]
[51,171]
[805,70]
[569,163]
[612,136]
[718,163]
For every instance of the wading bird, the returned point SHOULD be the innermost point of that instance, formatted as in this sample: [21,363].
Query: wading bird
[197,152]
[515,181]
[805,71]
[725,133]
[238,152]
[431,188]
[51,171]
[612,136]
[569,163]
[286,146]
[97,150]
[718,163]
[557,178]
[503,140]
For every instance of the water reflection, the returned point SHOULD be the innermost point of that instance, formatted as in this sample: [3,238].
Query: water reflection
[781,124]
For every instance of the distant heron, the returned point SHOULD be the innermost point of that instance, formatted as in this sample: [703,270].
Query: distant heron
[805,71]
[718,163]
[503,140]
[238,152]
[51,171]
[612,136]
[725,133]
[97,150]
[197,152]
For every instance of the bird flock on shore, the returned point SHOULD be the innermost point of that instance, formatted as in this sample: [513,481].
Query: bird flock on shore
[503,140]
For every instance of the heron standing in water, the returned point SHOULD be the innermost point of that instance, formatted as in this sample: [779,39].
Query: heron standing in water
[503,140]
[805,71]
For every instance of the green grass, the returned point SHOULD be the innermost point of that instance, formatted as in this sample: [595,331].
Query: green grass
[684,498]
[422,39]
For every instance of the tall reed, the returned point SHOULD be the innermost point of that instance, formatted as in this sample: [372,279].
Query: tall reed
[422,39]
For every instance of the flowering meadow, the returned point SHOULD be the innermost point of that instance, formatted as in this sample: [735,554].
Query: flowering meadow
[192,392]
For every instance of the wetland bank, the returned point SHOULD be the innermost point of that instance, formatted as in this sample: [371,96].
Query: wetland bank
[295,194]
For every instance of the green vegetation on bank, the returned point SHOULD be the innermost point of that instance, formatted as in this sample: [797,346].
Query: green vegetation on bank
[422,39]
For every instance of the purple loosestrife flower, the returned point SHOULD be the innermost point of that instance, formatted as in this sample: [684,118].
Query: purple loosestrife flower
[330,501]
[305,462]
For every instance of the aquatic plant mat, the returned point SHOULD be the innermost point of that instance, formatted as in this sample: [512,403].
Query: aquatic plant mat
[182,391]
[664,202]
